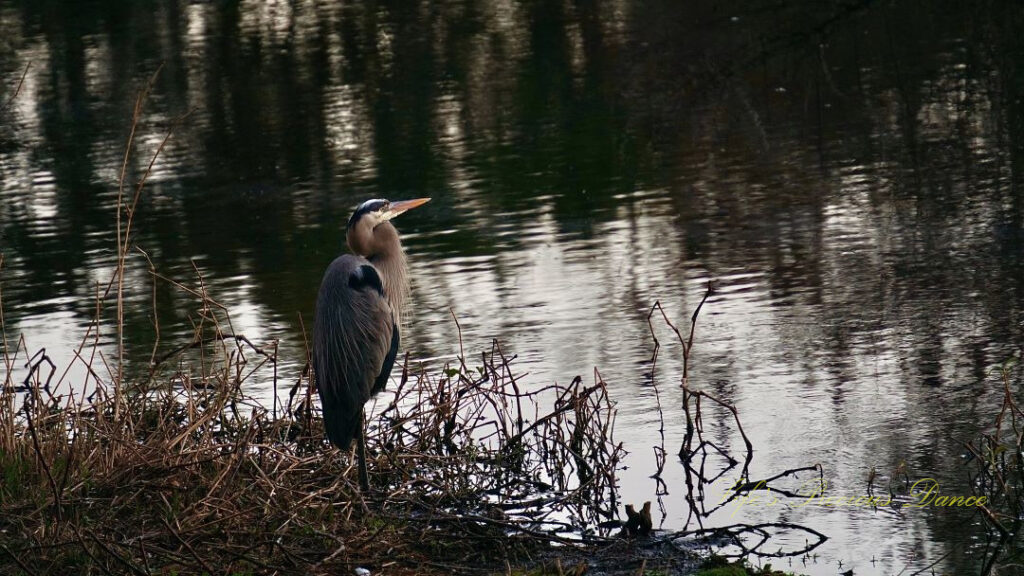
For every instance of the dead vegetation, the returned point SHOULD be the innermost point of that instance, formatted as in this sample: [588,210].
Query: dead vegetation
[181,473]
[995,466]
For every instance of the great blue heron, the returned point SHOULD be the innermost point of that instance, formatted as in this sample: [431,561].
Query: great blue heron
[358,314]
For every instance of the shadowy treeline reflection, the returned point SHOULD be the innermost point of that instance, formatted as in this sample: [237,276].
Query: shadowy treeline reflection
[861,159]
[304,107]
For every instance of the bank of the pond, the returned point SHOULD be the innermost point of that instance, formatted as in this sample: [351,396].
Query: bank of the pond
[177,471]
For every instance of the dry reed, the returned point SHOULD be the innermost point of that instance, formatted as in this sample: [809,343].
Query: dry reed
[180,472]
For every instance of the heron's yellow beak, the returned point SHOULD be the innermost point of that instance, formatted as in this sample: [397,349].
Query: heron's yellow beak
[401,206]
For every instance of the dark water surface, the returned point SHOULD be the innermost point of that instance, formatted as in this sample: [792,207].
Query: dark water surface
[848,174]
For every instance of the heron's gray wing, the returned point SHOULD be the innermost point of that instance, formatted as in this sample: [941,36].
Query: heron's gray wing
[354,342]
[389,361]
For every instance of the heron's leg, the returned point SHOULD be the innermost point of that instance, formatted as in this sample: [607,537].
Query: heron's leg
[364,480]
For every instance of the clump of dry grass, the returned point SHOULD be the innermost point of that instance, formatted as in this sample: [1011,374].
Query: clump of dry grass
[180,472]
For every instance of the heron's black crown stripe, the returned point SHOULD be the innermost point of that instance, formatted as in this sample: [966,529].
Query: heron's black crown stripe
[365,208]
[364,276]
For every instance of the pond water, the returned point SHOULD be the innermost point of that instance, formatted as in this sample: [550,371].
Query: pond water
[843,173]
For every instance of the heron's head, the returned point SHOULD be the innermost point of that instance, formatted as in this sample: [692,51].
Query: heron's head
[368,230]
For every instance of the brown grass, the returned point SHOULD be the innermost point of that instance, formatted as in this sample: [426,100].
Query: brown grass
[189,476]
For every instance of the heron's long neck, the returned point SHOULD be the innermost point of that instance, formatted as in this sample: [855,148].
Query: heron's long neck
[391,265]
